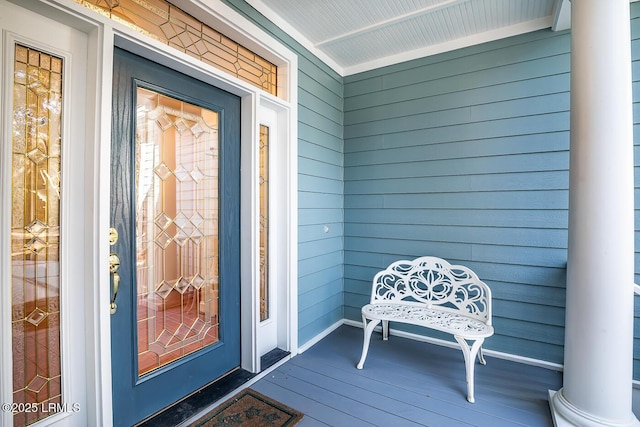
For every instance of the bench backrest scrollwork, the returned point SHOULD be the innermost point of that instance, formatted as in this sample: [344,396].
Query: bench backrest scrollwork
[434,282]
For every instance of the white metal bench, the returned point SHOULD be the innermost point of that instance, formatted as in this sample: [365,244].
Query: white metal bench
[430,292]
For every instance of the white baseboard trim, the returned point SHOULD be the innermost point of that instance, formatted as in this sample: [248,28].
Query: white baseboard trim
[492,353]
[313,341]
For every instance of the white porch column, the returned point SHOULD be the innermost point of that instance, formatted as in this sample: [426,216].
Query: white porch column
[599,308]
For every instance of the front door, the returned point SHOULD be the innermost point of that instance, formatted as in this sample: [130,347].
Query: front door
[175,254]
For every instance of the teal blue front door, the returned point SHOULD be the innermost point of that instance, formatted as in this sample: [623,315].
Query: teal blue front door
[175,202]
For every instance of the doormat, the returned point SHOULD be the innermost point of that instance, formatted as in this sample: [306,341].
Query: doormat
[250,408]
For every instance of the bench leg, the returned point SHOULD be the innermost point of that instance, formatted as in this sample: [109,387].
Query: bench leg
[368,330]
[469,362]
[481,357]
[385,330]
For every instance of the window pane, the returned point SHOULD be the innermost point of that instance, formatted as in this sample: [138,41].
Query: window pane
[176,229]
[170,25]
[35,232]
[264,223]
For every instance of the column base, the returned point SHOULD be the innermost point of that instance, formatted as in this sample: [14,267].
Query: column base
[567,415]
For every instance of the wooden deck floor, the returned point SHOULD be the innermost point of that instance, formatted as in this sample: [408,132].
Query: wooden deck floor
[406,383]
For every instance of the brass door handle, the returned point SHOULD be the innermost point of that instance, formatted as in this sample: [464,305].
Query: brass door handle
[116,282]
[114,264]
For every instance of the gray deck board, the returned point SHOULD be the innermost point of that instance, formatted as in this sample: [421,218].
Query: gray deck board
[345,398]
[415,395]
[407,383]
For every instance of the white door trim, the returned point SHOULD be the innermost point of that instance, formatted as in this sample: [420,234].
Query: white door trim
[71,43]
[273,332]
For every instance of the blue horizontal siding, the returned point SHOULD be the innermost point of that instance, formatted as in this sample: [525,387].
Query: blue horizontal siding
[321,216]
[509,237]
[465,156]
[463,130]
[521,91]
[512,108]
[519,181]
[472,70]
[489,272]
[543,199]
[635,55]
[505,146]
[412,167]
[320,317]
[317,248]
[549,218]
[327,152]
[317,137]
[320,265]
[318,274]
[553,297]
[332,292]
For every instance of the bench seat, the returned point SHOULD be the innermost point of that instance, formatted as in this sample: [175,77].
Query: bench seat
[452,323]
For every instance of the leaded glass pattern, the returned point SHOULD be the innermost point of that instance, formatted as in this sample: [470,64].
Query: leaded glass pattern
[264,222]
[176,229]
[35,232]
[168,24]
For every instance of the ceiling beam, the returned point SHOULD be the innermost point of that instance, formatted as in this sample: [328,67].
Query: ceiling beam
[391,21]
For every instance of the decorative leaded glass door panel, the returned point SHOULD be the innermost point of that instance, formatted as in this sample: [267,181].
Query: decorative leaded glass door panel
[42,265]
[175,261]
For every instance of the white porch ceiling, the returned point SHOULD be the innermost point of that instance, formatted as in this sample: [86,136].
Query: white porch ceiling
[357,35]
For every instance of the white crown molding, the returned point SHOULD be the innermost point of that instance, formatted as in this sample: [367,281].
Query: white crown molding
[268,13]
[500,33]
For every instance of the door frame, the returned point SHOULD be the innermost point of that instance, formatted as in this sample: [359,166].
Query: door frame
[103,35]
[280,299]
[72,49]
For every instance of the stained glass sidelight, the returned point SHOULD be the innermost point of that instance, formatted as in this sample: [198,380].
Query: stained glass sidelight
[176,228]
[264,222]
[163,21]
[35,232]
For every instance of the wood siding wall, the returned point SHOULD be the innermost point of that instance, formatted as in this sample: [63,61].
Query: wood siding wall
[464,155]
[320,185]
